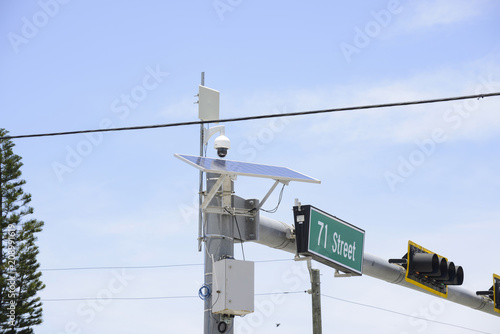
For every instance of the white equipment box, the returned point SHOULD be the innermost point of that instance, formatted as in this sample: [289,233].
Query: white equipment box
[233,287]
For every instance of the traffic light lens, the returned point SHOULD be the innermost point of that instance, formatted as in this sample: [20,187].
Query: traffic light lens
[425,263]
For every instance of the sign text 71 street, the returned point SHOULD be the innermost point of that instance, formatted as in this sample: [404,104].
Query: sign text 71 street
[328,239]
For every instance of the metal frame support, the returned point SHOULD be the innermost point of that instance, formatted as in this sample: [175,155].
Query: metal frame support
[271,191]
[338,274]
[200,196]
[213,191]
[209,132]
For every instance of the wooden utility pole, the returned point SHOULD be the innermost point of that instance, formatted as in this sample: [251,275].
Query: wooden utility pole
[316,298]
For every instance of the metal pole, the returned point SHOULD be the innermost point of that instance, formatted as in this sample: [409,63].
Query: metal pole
[200,213]
[276,234]
[219,244]
[316,298]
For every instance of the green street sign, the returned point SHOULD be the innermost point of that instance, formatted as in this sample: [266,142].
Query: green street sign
[328,239]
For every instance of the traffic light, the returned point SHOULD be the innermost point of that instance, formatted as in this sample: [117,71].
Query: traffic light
[493,293]
[429,270]
[496,293]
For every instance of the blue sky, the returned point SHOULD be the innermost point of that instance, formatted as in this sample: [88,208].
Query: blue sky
[424,173]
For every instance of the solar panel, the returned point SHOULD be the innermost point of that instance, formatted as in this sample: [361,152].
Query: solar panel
[222,166]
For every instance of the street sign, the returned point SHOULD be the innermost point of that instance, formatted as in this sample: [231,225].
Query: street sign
[328,239]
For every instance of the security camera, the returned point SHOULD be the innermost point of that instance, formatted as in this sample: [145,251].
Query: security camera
[222,144]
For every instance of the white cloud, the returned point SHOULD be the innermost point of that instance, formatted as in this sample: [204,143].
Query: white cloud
[466,119]
[428,14]
[183,109]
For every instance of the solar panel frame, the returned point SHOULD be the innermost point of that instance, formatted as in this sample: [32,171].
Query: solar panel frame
[231,167]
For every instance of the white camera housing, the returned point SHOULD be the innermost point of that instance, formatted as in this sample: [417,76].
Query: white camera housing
[222,144]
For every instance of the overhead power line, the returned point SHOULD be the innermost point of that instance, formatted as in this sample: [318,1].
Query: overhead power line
[113,298]
[156,297]
[248,118]
[146,267]
[403,314]
[117,267]
[267,294]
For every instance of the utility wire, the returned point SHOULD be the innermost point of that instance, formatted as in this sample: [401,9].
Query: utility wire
[279,202]
[162,297]
[135,267]
[239,233]
[403,314]
[146,267]
[247,118]
[114,298]
[267,294]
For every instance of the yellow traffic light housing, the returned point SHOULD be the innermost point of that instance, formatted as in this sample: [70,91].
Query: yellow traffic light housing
[496,293]
[429,271]
[420,262]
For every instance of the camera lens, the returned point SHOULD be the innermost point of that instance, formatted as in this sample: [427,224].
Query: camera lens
[222,152]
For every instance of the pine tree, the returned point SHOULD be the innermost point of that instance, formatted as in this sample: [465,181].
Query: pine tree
[20,279]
